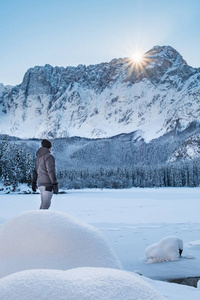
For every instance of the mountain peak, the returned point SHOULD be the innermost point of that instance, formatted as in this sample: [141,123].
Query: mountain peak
[104,100]
[165,53]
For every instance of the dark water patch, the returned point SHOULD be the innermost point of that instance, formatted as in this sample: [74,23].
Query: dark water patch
[191,281]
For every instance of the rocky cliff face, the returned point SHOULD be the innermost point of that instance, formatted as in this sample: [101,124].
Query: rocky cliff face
[188,151]
[155,97]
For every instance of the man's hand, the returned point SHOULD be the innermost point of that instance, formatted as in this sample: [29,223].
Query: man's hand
[34,186]
[55,188]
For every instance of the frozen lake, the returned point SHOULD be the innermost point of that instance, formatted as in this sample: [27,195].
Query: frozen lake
[131,220]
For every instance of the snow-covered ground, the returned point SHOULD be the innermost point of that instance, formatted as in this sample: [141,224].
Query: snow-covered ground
[131,220]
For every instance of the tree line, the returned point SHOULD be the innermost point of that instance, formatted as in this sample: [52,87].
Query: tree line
[183,174]
[17,164]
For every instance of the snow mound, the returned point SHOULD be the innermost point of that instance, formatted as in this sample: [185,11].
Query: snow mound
[46,239]
[76,284]
[167,249]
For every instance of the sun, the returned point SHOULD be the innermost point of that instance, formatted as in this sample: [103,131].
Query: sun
[136,62]
[137,57]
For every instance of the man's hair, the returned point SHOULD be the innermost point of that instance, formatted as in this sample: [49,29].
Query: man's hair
[46,143]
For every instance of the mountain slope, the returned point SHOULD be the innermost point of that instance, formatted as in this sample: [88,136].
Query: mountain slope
[104,100]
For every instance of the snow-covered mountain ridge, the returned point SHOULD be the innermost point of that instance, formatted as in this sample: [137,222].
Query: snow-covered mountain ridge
[160,95]
[189,150]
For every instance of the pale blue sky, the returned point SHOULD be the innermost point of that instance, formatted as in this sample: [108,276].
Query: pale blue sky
[72,32]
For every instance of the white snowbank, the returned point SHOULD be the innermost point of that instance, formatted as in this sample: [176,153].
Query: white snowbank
[167,249]
[76,284]
[46,239]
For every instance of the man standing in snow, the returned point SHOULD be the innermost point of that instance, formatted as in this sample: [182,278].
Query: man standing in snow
[44,174]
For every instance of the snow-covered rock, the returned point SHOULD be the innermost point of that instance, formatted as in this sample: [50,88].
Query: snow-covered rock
[51,240]
[104,100]
[168,249]
[76,284]
[2,88]
[188,151]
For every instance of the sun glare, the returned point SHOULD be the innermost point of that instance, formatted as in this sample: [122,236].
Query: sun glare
[136,62]
[137,57]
